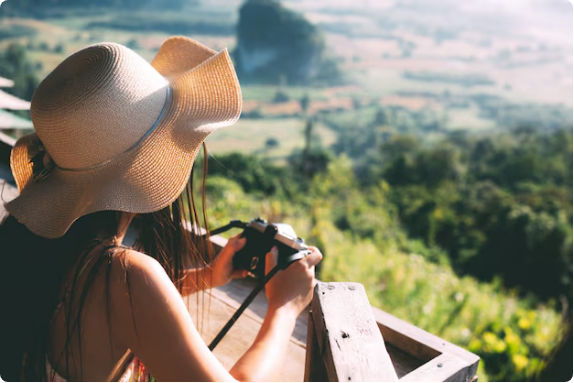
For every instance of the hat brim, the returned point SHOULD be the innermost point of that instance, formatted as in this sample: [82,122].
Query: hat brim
[205,96]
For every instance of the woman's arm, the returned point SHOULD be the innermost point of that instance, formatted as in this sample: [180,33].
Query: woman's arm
[289,292]
[152,320]
[264,359]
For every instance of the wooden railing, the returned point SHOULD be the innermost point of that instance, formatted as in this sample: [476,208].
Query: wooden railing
[347,339]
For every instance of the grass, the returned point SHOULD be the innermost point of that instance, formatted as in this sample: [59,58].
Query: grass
[361,116]
[267,92]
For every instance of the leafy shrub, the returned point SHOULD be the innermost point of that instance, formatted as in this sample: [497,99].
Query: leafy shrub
[280,97]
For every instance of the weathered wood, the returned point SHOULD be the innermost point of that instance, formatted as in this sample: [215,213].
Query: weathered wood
[349,340]
[426,347]
[403,362]
[443,368]
[314,365]
[6,144]
[407,340]
[7,193]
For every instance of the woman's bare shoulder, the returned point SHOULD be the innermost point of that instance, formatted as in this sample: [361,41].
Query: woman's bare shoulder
[132,261]
[138,282]
[153,321]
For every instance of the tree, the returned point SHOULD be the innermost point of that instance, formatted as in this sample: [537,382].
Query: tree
[271,143]
[15,65]
[304,102]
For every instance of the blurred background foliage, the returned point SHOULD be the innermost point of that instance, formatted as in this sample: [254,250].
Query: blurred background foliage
[425,147]
[479,263]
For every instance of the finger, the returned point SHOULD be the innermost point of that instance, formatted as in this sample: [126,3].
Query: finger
[314,258]
[234,238]
[238,244]
[271,259]
[239,274]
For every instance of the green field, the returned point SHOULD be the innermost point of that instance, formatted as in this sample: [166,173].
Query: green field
[249,136]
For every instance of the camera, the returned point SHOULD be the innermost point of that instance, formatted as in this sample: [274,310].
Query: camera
[261,237]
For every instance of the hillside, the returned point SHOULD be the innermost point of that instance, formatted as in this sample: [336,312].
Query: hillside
[437,173]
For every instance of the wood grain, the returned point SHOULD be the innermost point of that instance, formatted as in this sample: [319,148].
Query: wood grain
[426,347]
[349,340]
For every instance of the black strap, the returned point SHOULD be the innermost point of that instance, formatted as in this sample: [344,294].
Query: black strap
[233,224]
[244,305]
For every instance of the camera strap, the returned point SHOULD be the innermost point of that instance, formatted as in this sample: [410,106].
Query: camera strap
[231,225]
[243,306]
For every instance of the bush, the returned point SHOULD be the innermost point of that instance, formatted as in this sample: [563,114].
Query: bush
[281,97]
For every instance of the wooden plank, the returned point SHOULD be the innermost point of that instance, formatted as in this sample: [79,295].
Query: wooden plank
[7,140]
[6,144]
[421,344]
[443,368]
[314,366]
[407,340]
[350,343]
[403,362]
[7,194]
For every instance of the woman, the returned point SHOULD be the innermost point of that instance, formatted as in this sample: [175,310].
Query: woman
[114,146]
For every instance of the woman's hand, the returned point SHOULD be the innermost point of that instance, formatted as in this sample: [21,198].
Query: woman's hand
[292,288]
[221,268]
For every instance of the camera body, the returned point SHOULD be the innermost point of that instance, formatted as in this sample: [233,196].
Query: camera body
[261,237]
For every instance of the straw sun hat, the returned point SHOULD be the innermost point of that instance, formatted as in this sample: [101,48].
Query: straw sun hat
[116,133]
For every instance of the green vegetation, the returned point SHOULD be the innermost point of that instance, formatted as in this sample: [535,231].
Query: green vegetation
[15,65]
[500,206]
[172,23]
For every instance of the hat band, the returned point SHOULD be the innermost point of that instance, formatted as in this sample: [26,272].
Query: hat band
[166,106]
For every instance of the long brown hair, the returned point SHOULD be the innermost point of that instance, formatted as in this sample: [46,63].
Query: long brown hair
[32,272]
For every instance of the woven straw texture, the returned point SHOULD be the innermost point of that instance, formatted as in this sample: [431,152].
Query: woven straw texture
[94,114]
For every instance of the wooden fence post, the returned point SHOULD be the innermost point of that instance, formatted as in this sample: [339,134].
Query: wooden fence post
[343,337]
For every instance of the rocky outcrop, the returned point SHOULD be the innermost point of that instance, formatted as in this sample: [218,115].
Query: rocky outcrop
[275,44]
